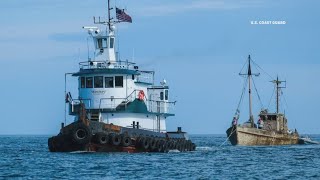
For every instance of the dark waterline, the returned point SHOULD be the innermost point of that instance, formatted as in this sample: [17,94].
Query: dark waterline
[27,157]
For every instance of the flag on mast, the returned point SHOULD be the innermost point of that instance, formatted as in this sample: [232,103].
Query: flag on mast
[122,16]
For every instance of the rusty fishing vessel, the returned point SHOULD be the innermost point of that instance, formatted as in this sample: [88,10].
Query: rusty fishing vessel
[271,128]
[118,107]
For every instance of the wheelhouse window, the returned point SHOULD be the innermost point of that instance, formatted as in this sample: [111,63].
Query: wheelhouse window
[83,82]
[166,95]
[111,42]
[102,43]
[119,81]
[108,81]
[98,82]
[161,96]
[89,82]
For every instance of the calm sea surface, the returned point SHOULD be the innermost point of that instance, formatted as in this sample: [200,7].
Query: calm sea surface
[27,157]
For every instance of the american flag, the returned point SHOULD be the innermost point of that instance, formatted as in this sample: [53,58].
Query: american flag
[122,16]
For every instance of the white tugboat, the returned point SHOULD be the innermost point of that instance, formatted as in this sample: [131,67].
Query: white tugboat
[118,109]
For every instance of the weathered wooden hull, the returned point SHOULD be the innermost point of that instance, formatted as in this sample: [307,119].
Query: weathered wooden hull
[245,136]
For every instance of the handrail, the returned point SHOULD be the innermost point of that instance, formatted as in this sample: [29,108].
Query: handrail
[108,99]
[152,105]
[127,99]
[80,100]
[104,64]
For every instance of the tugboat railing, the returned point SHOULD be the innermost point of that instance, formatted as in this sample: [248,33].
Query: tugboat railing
[74,105]
[152,105]
[161,107]
[114,102]
[105,65]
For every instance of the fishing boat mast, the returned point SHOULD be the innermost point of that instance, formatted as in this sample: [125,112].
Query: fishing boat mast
[249,76]
[250,96]
[278,89]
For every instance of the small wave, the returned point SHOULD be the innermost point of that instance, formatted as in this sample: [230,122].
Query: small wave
[206,148]
[174,151]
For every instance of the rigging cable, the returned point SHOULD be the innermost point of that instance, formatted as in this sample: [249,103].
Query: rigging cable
[243,67]
[262,70]
[254,84]
[284,98]
[271,97]
[242,94]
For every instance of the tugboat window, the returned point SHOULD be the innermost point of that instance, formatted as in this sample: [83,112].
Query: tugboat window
[119,81]
[105,43]
[98,82]
[161,96]
[108,82]
[166,95]
[102,43]
[99,43]
[89,82]
[83,82]
[111,42]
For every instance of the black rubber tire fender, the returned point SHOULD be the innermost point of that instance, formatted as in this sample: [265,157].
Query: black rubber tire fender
[171,144]
[153,144]
[165,147]
[184,146]
[145,143]
[175,144]
[126,141]
[178,147]
[116,139]
[81,134]
[160,145]
[102,138]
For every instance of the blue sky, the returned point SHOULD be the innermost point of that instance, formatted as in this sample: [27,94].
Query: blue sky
[198,46]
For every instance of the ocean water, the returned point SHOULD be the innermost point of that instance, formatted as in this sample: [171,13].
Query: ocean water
[27,157]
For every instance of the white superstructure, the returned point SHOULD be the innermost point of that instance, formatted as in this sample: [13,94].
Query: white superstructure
[116,91]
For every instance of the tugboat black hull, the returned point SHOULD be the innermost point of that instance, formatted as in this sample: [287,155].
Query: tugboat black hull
[100,137]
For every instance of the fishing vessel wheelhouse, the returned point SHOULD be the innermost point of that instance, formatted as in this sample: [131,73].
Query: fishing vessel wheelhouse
[119,107]
[271,128]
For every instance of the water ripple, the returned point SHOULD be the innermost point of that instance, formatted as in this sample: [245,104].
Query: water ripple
[27,157]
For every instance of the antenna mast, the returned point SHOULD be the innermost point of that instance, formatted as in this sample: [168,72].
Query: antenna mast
[109,15]
[109,22]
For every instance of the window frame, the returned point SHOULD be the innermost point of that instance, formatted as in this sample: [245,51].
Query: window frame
[161,95]
[115,81]
[105,82]
[95,78]
[166,94]
[88,83]
[103,42]
[111,45]
[82,82]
